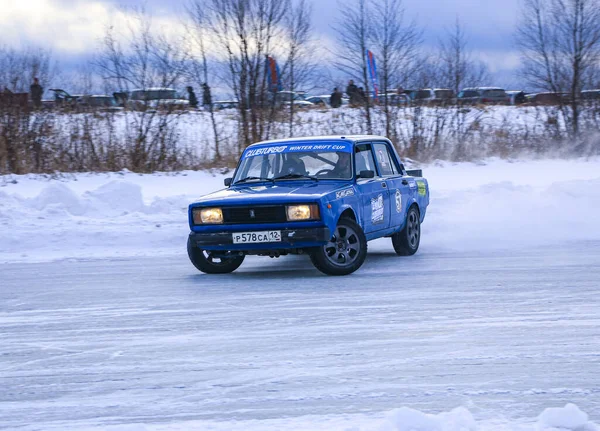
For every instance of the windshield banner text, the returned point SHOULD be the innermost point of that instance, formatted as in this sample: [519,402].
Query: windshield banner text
[278,149]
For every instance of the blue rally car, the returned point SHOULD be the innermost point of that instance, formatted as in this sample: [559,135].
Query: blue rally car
[320,196]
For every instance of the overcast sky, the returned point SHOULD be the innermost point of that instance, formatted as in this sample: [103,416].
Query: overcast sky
[72,28]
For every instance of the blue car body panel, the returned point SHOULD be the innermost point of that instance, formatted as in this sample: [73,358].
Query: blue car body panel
[378,204]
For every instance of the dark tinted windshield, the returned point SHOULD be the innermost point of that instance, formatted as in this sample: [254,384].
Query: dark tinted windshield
[468,93]
[421,94]
[153,94]
[496,92]
[444,94]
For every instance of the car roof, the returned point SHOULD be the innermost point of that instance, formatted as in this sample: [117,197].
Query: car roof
[350,138]
[154,89]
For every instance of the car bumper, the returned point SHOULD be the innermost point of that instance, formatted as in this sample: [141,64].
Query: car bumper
[290,238]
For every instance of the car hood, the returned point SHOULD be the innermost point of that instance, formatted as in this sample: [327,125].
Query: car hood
[279,192]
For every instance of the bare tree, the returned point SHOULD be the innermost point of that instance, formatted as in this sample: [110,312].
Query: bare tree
[246,32]
[298,67]
[560,46]
[18,67]
[353,33]
[198,16]
[397,44]
[456,67]
[141,58]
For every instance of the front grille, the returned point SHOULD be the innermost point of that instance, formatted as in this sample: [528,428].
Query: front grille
[254,214]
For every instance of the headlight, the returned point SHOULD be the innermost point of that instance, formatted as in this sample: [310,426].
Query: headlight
[302,212]
[207,216]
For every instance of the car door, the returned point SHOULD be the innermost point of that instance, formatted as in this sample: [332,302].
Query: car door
[398,186]
[373,192]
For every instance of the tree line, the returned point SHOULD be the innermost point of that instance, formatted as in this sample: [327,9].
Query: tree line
[224,43]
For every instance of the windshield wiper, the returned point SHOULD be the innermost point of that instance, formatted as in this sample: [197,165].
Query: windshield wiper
[292,176]
[243,180]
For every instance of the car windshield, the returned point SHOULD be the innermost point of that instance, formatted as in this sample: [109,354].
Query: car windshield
[281,162]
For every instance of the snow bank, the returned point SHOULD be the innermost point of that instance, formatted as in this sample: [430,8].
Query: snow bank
[568,418]
[486,206]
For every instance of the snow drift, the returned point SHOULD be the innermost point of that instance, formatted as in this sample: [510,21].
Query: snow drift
[568,418]
[486,206]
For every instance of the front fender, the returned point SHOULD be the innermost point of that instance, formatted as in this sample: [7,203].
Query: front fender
[338,207]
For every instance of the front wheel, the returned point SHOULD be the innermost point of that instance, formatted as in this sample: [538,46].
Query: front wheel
[406,242]
[210,263]
[344,253]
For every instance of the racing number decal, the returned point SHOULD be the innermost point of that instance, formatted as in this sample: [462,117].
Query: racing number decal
[398,201]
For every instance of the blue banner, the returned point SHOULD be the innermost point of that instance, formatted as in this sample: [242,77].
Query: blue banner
[372,73]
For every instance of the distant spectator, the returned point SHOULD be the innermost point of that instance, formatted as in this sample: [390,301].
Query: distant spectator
[36,91]
[206,96]
[361,97]
[336,98]
[192,97]
[352,92]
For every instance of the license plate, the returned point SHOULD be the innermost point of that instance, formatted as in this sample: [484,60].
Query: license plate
[256,237]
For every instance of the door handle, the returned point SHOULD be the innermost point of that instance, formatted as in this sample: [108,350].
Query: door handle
[384,185]
[404,182]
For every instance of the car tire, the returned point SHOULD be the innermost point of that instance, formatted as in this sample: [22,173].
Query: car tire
[344,253]
[205,262]
[406,242]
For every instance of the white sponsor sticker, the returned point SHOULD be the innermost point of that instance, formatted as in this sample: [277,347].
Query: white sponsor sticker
[377,209]
[344,193]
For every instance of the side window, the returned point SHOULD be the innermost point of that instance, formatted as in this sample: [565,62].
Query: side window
[363,159]
[385,160]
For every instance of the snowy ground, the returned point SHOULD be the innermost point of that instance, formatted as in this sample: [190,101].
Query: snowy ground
[494,325]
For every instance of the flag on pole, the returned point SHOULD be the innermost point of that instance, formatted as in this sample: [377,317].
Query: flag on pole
[372,73]
[273,75]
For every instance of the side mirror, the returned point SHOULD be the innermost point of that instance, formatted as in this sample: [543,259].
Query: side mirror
[402,168]
[366,174]
[227,181]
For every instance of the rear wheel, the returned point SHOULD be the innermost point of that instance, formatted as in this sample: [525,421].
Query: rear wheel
[209,262]
[406,242]
[344,253]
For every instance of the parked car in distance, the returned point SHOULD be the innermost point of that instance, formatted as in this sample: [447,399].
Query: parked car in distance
[100,101]
[546,98]
[324,100]
[483,95]
[156,98]
[324,197]
[289,97]
[225,104]
[589,95]
[517,97]
[64,99]
[395,99]
[432,95]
